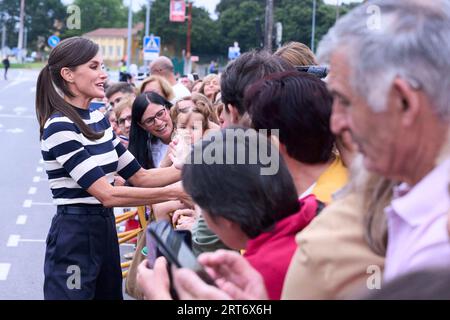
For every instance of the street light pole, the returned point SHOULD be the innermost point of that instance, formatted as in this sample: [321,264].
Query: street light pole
[188,40]
[338,7]
[147,17]
[188,63]
[313,31]
[130,26]
[3,37]
[21,26]
[268,26]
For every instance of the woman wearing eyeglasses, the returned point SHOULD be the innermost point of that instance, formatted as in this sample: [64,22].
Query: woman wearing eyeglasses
[151,129]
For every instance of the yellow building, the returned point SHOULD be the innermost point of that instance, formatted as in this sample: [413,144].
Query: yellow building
[113,43]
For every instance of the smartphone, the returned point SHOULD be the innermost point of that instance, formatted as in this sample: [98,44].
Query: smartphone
[162,239]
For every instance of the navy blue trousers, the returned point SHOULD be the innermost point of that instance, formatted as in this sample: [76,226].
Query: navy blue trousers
[82,259]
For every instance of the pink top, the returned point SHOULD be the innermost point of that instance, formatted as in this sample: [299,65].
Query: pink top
[417,225]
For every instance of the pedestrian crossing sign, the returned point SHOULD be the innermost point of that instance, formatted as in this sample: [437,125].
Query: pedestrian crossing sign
[152,44]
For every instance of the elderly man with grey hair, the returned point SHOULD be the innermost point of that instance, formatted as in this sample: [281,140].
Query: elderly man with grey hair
[389,77]
[389,66]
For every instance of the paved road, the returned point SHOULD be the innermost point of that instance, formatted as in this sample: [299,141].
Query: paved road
[24,191]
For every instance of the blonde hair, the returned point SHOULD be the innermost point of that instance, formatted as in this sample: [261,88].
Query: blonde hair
[374,193]
[201,105]
[125,102]
[296,54]
[166,88]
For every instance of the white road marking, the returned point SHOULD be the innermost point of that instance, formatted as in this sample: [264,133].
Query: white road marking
[13,240]
[22,219]
[27,203]
[19,110]
[42,204]
[15,130]
[32,240]
[32,190]
[36,179]
[16,116]
[4,270]
[39,169]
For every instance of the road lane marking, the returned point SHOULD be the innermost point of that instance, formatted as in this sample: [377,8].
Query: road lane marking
[4,271]
[22,219]
[32,190]
[36,179]
[13,240]
[15,130]
[33,240]
[19,110]
[42,204]
[27,203]
[16,116]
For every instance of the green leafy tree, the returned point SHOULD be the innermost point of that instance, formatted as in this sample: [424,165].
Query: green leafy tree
[243,21]
[41,20]
[100,14]
[204,35]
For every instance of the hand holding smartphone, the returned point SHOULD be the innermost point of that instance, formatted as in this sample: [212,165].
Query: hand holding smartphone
[162,239]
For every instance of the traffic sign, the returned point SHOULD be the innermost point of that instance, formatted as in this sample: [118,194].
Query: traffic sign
[152,47]
[53,41]
[234,52]
[177,11]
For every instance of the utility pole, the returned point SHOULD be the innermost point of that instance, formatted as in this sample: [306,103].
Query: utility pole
[188,63]
[21,27]
[3,37]
[147,23]
[25,46]
[313,29]
[130,40]
[338,7]
[268,26]
[147,17]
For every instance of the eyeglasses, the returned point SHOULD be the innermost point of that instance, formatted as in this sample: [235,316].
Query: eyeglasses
[149,122]
[121,121]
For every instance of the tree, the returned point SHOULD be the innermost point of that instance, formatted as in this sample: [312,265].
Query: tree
[100,14]
[243,20]
[205,35]
[40,18]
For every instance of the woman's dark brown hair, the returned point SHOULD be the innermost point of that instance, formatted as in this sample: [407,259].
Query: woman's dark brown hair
[70,53]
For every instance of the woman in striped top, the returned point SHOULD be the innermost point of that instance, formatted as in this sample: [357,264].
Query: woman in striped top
[82,155]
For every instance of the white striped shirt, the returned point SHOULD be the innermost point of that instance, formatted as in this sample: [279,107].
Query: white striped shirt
[73,162]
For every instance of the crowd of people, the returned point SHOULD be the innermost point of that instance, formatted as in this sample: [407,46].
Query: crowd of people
[291,186]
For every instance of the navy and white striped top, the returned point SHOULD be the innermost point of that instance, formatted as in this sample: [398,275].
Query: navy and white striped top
[73,163]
